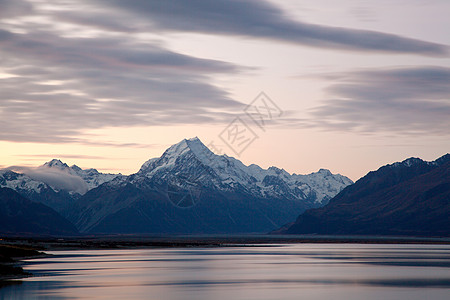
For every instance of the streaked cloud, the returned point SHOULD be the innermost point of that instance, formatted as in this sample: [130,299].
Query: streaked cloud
[402,100]
[51,156]
[78,65]
[62,85]
[262,19]
[14,8]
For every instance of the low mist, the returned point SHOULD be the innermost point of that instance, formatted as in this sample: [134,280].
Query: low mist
[58,179]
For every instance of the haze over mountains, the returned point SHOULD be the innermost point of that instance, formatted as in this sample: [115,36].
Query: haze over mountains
[54,184]
[188,189]
[58,175]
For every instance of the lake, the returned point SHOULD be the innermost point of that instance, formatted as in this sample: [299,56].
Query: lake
[291,271]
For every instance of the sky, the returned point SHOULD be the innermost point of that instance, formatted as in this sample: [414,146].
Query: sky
[300,85]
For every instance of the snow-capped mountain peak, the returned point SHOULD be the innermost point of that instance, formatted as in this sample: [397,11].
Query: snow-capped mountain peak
[194,145]
[169,158]
[191,160]
[200,150]
[20,182]
[325,172]
[56,175]
[77,168]
[412,161]
[56,163]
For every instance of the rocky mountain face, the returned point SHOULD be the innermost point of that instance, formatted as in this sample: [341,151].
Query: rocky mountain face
[189,189]
[406,198]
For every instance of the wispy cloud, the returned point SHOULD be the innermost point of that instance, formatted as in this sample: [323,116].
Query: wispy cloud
[62,85]
[78,65]
[51,156]
[403,100]
[14,8]
[262,19]
[59,179]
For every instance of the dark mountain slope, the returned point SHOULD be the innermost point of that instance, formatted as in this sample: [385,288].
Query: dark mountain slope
[132,209]
[20,216]
[408,198]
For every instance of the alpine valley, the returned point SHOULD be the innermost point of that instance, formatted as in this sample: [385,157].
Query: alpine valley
[188,190]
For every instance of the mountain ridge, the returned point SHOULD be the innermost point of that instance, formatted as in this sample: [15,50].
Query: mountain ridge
[191,190]
[225,170]
[56,175]
[188,189]
[215,193]
[404,198]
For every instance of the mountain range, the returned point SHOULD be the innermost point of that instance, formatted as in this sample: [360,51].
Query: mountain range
[407,198]
[54,184]
[189,189]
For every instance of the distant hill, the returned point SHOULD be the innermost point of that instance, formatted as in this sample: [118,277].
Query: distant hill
[407,198]
[21,216]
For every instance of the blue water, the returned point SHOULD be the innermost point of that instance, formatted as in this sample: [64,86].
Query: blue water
[301,271]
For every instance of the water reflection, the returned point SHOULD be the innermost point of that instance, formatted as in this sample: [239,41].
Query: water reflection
[319,271]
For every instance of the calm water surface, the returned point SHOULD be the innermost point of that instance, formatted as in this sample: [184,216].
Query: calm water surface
[303,271]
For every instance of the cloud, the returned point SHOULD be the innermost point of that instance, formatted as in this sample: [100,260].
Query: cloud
[82,65]
[403,100]
[10,9]
[50,156]
[58,179]
[261,19]
[63,85]
[363,13]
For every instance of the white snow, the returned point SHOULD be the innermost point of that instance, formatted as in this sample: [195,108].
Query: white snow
[21,182]
[232,173]
[192,162]
[56,175]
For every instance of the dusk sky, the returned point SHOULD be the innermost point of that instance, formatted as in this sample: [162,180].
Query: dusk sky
[108,84]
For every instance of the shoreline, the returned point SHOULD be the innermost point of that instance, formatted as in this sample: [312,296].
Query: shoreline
[11,257]
[149,241]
